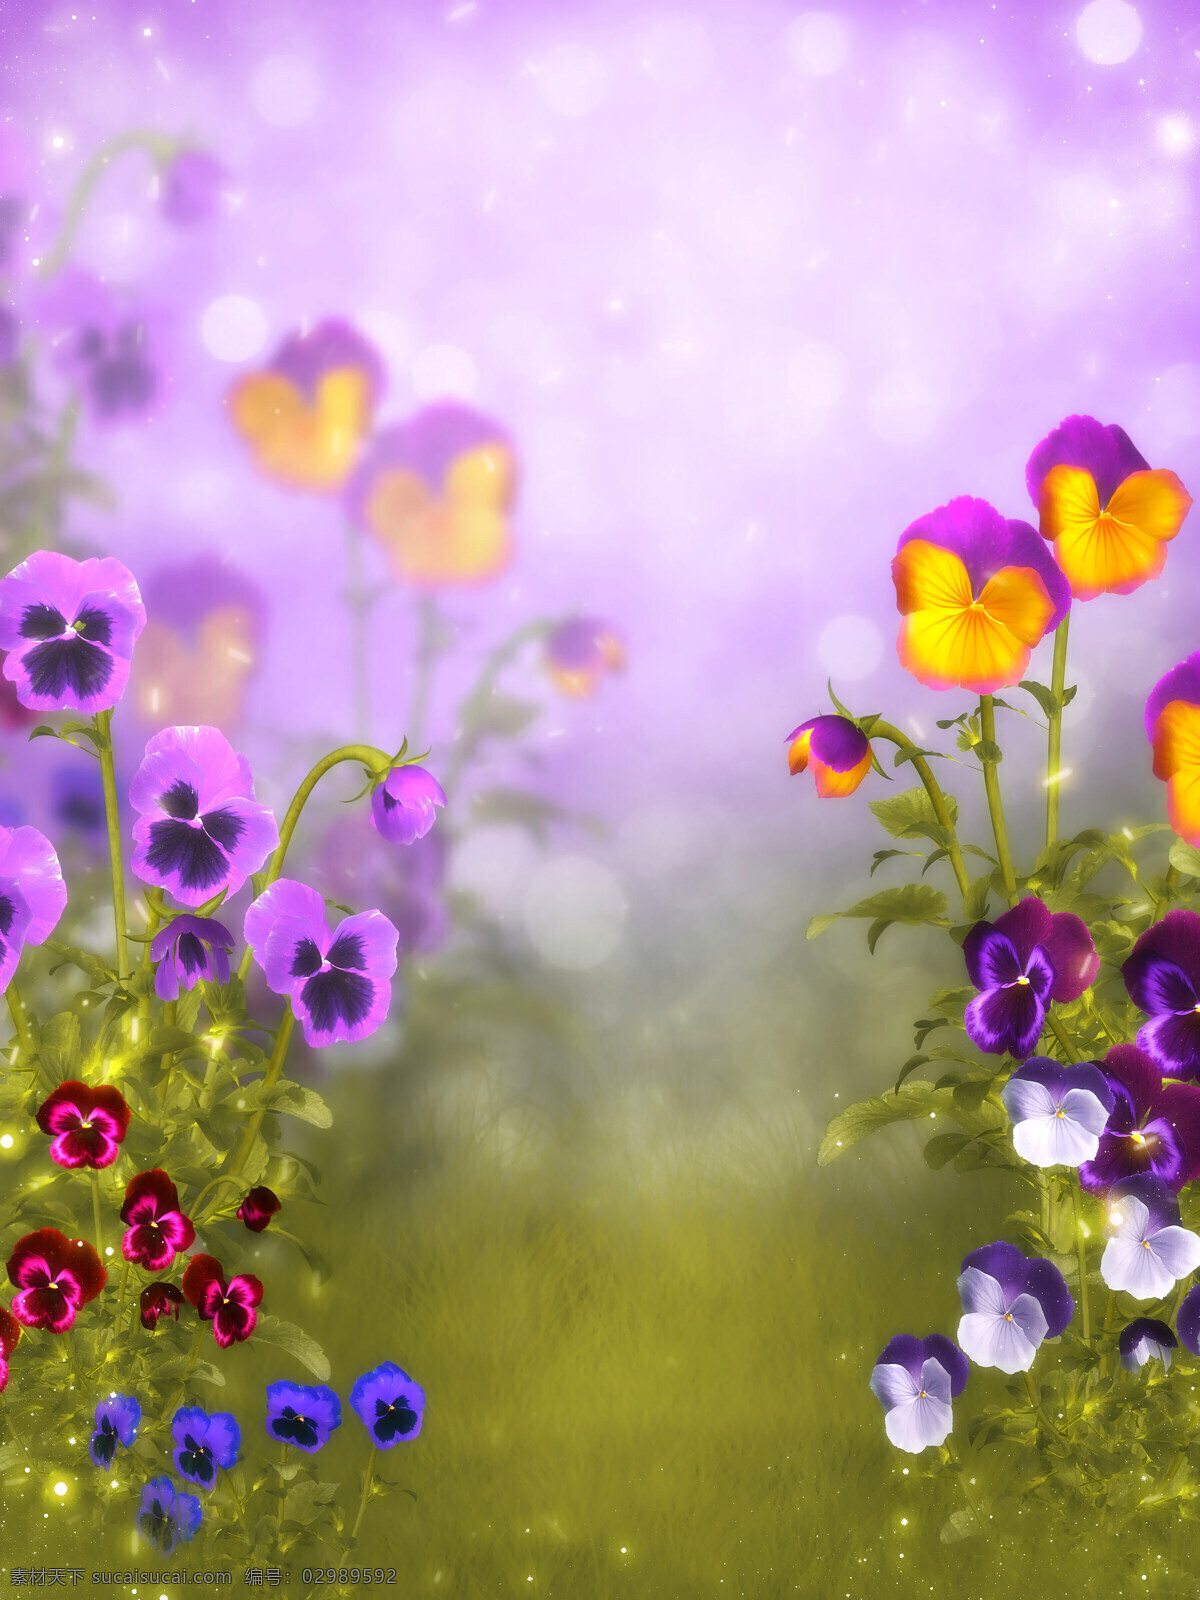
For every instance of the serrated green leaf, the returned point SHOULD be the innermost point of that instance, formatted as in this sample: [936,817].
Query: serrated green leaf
[302,1347]
[989,751]
[912,903]
[297,1100]
[911,816]
[60,1048]
[97,969]
[858,1121]
[943,1147]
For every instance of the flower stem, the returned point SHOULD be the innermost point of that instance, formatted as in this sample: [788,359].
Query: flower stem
[156,145]
[1054,746]
[1063,1037]
[366,1494]
[885,730]
[192,1359]
[282,1497]
[274,1068]
[108,776]
[962,1478]
[1081,1248]
[1044,1191]
[991,783]
[20,1018]
[124,1280]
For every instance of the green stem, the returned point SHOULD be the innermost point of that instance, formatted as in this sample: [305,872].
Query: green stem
[108,776]
[885,730]
[282,1480]
[96,1213]
[158,147]
[991,783]
[1054,748]
[237,1505]
[154,910]
[372,759]
[192,1359]
[476,702]
[1060,1033]
[1081,1249]
[962,1478]
[366,1494]
[1044,1191]
[274,1068]
[1037,1406]
[20,1018]
[124,1281]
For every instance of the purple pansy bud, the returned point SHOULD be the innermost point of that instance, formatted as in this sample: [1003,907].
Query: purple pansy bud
[403,807]
[1143,1338]
[187,950]
[837,752]
[1162,976]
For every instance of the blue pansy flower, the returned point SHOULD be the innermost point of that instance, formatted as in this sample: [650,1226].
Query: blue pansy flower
[204,1444]
[390,1405]
[117,1421]
[302,1415]
[167,1517]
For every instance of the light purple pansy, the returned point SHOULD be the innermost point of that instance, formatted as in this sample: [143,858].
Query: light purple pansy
[33,895]
[304,359]
[200,830]
[69,628]
[188,949]
[1010,1304]
[107,345]
[190,188]
[915,1380]
[1143,1338]
[339,980]
[1162,975]
[1154,1127]
[1147,1252]
[1058,1111]
[1106,451]
[403,807]
[1027,958]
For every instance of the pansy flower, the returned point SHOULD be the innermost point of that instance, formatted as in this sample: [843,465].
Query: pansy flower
[303,1415]
[117,1421]
[159,1300]
[89,1124]
[204,1444]
[355,861]
[187,950]
[158,1229]
[976,593]
[230,1307]
[10,1333]
[1187,1321]
[404,805]
[389,1405]
[1058,1111]
[1147,1250]
[1027,958]
[835,749]
[915,1380]
[110,347]
[1010,1304]
[305,417]
[69,628]
[1162,975]
[437,491]
[1143,1338]
[200,830]
[167,1516]
[339,981]
[257,1209]
[581,651]
[1154,1127]
[33,895]
[1107,514]
[1173,729]
[190,185]
[54,1276]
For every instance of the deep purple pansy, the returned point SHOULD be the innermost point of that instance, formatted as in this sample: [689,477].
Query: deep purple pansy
[1058,1111]
[389,1405]
[204,1444]
[1154,1127]
[190,188]
[1010,1304]
[339,981]
[187,950]
[230,1307]
[54,1276]
[167,1517]
[88,1124]
[159,1300]
[301,1414]
[1162,975]
[1143,1338]
[915,1380]
[69,628]
[200,830]
[33,895]
[1187,1321]
[1148,1252]
[257,1209]
[157,1228]
[117,1421]
[403,807]
[1027,958]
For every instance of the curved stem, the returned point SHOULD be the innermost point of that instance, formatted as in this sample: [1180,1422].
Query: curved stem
[274,1068]
[108,776]
[493,666]
[1054,744]
[885,730]
[991,784]
[226,1177]
[20,1018]
[154,910]
[156,145]
[366,1494]
[1081,1250]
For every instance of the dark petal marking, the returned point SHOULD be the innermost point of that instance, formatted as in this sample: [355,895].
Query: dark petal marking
[62,664]
[190,955]
[180,800]
[104,1442]
[42,622]
[175,847]
[226,827]
[299,1430]
[347,951]
[393,1420]
[122,384]
[94,625]
[7,912]
[197,1459]
[335,995]
[306,960]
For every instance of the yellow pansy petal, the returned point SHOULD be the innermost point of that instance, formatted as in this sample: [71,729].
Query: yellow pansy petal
[968,648]
[798,752]
[1176,738]
[1116,550]
[1154,502]
[1017,598]
[307,447]
[929,577]
[1183,804]
[833,785]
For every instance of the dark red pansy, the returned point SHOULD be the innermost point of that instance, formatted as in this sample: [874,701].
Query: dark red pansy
[257,1209]
[228,1306]
[88,1124]
[10,1332]
[159,1300]
[158,1228]
[54,1276]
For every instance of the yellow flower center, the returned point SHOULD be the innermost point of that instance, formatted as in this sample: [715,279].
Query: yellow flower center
[1008,1316]
[1137,1137]
[1060,1112]
[1023,980]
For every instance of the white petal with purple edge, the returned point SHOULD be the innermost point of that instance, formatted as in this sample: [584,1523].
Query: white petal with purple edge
[1054,1141]
[893,1385]
[1007,1341]
[915,1424]
[1178,1249]
[1023,1100]
[1132,1266]
[1086,1109]
[935,1380]
[980,1292]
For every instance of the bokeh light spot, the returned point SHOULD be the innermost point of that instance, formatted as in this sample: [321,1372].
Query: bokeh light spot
[818,43]
[286,91]
[233,328]
[1175,135]
[443,371]
[849,648]
[572,79]
[1108,31]
[574,912]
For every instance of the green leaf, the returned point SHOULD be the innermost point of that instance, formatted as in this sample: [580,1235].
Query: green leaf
[912,903]
[910,752]
[297,1100]
[975,906]
[868,1116]
[988,750]
[909,1066]
[881,856]
[60,1048]
[943,1147]
[911,816]
[1185,858]
[1045,697]
[301,1346]
[97,970]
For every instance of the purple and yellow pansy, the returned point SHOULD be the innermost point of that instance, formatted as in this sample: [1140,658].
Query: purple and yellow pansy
[836,751]
[1173,728]
[1107,513]
[976,593]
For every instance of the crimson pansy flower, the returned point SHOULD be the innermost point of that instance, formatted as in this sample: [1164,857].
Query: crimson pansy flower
[1162,975]
[339,981]
[89,1124]
[69,628]
[200,830]
[1153,1127]
[228,1306]
[158,1228]
[257,1209]
[10,1332]
[187,950]
[54,1276]
[1020,963]
[33,895]
[159,1300]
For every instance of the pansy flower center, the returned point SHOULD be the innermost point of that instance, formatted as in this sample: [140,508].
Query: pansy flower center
[1008,1316]
[1137,1137]
[1060,1112]
[1023,980]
